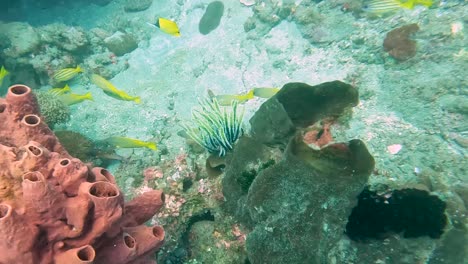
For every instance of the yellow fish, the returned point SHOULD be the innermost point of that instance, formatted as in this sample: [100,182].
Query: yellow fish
[226,99]
[167,26]
[66,74]
[3,73]
[60,91]
[111,90]
[124,142]
[71,98]
[380,7]
[265,92]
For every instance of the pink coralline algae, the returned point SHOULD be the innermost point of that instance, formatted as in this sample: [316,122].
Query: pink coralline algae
[56,209]
[173,205]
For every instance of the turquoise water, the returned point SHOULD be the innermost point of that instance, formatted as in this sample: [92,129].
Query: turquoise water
[251,206]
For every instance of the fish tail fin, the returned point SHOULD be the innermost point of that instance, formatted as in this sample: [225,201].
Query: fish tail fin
[426,3]
[78,69]
[137,100]
[158,24]
[66,88]
[5,71]
[152,146]
[250,94]
[89,96]
[152,25]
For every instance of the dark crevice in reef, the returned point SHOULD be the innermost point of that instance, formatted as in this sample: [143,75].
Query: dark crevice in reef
[182,252]
[248,176]
[411,211]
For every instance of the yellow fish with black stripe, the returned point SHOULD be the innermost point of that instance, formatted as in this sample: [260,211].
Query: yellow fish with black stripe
[381,7]
[66,74]
[60,91]
[125,142]
[3,73]
[168,26]
[111,90]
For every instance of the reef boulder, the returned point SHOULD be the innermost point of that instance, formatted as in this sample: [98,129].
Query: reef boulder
[120,43]
[211,18]
[298,105]
[137,5]
[22,38]
[299,205]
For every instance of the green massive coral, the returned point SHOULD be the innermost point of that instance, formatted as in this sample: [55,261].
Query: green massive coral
[52,108]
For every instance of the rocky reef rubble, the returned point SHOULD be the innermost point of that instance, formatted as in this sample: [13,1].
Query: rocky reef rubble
[33,54]
[317,22]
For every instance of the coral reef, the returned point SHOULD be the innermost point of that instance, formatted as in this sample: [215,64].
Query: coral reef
[260,179]
[33,54]
[398,43]
[54,208]
[294,188]
[71,39]
[137,5]
[211,18]
[106,64]
[22,38]
[120,43]
[316,22]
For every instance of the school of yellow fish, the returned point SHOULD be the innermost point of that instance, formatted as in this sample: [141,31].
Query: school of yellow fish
[373,7]
[69,98]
